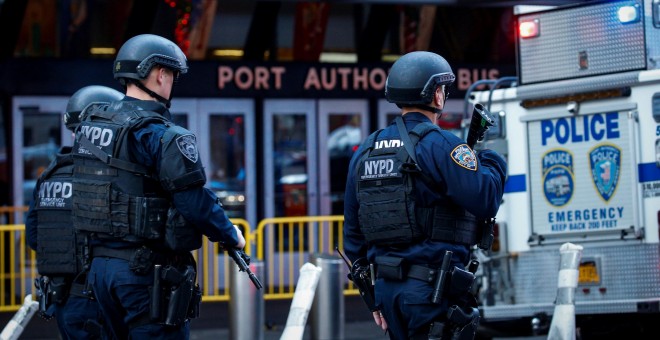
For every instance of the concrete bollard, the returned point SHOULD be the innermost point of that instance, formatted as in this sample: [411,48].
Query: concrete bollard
[246,304]
[17,324]
[562,326]
[327,315]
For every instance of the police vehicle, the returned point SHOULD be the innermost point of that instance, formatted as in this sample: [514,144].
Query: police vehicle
[580,129]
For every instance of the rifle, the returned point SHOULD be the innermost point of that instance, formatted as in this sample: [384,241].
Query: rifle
[481,121]
[243,261]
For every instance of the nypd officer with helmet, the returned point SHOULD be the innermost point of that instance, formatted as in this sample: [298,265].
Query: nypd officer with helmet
[134,167]
[414,196]
[61,252]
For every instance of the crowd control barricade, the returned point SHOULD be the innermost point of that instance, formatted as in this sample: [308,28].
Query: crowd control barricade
[285,244]
[17,261]
[282,244]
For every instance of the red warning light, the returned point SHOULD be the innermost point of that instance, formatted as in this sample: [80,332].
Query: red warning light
[529,29]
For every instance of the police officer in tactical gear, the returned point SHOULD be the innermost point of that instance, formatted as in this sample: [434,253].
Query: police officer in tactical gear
[137,176]
[61,252]
[414,196]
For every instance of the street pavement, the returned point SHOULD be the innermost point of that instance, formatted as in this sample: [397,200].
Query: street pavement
[352,331]
[213,322]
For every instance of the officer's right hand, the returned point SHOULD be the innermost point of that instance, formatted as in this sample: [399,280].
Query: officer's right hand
[380,320]
[239,236]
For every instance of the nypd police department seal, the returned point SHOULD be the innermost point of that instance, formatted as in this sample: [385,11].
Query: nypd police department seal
[188,146]
[465,157]
[605,162]
[558,176]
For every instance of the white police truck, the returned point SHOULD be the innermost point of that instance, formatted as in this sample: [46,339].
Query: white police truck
[580,128]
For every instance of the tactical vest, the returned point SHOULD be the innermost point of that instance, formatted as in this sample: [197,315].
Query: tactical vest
[389,213]
[57,243]
[112,196]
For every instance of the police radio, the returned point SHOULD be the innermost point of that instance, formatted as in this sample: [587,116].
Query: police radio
[481,121]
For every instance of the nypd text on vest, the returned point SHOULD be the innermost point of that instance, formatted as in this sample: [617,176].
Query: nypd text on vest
[52,194]
[96,135]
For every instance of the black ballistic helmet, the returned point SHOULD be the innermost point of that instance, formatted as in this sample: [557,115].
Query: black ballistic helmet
[414,77]
[141,53]
[85,99]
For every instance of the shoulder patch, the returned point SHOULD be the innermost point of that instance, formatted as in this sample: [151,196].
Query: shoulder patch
[188,146]
[465,157]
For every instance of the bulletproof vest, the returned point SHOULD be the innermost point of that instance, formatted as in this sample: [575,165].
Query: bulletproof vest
[57,245]
[389,213]
[112,196]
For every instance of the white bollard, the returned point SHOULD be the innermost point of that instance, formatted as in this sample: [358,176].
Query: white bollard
[17,324]
[302,302]
[562,326]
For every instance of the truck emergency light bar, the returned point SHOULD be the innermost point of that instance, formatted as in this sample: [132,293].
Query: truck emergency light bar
[626,14]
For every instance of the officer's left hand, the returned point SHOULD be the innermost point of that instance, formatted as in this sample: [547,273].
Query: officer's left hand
[241,239]
[380,320]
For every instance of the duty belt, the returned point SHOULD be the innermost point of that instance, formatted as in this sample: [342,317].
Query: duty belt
[417,272]
[422,273]
[130,254]
[120,253]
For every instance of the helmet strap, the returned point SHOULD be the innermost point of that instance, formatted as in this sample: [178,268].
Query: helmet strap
[428,108]
[158,97]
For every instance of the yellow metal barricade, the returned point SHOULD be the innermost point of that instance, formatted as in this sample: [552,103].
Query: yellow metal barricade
[17,267]
[285,244]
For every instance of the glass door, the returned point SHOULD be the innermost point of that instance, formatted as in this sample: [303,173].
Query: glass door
[342,126]
[227,131]
[290,158]
[39,132]
[225,135]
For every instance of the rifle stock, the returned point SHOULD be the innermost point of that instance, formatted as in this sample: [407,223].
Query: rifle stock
[481,121]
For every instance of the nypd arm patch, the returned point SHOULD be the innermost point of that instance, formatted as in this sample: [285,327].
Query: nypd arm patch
[465,157]
[188,147]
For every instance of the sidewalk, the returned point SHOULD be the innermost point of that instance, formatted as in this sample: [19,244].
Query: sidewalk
[352,331]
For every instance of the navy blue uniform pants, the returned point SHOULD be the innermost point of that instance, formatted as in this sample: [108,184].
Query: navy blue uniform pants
[124,298]
[72,316]
[406,306]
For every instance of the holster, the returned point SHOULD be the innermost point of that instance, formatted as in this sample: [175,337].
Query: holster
[50,291]
[175,297]
[42,285]
[462,318]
